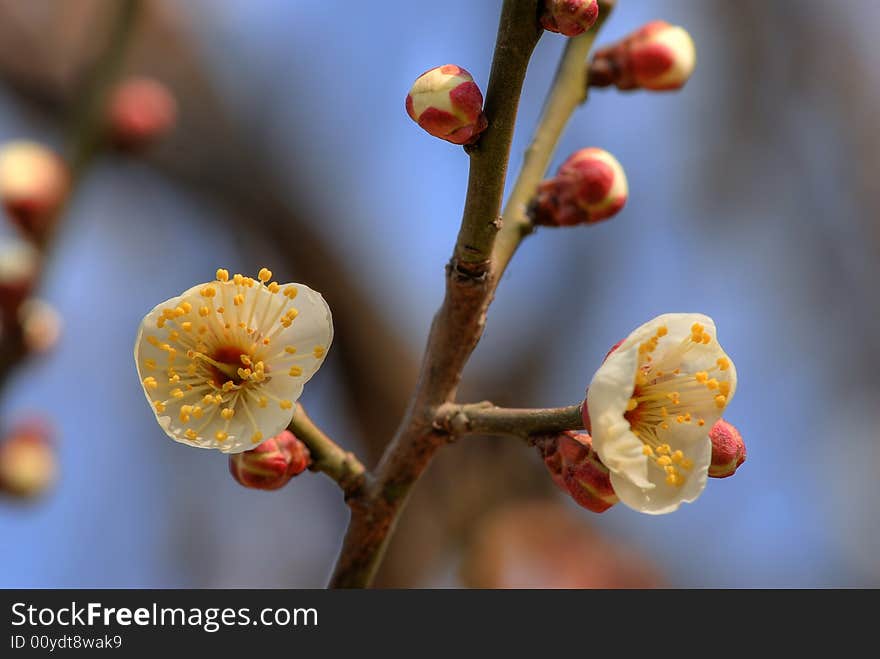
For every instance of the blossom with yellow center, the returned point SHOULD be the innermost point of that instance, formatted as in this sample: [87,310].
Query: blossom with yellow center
[223,363]
[651,405]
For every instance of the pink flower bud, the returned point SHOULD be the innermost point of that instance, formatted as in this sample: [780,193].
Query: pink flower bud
[447,103]
[40,325]
[27,460]
[33,185]
[728,449]
[140,111]
[569,17]
[272,464]
[590,186]
[19,266]
[658,56]
[577,470]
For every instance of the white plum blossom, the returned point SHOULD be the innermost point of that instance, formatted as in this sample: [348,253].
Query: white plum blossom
[223,363]
[651,405]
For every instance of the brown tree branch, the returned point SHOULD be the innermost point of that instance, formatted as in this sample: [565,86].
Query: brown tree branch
[459,322]
[487,419]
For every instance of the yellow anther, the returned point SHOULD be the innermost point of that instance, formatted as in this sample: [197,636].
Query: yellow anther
[222,274]
[264,275]
[257,437]
[245,359]
[662,330]
[701,376]
[174,335]
[723,363]
[186,306]
[664,412]
[150,382]
[174,379]
[221,309]
[664,425]
[631,404]
[677,456]
[701,422]
[664,449]
[724,388]
[229,385]
[295,371]
[179,311]
[687,463]
[319,351]
[208,291]
[186,326]
[687,417]
[274,287]
[197,411]
[712,384]
[706,338]
[285,404]
[263,401]
[242,325]
[249,282]
[191,434]
[184,413]
[237,279]
[208,399]
[291,313]
[290,292]
[238,300]
[290,350]
[204,311]
[227,413]
[177,393]
[150,363]
[647,450]
[720,401]
[664,460]
[244,373]
[679,418]
[160,322]
[221,435]
[266,341]
[696,328]
[160,406]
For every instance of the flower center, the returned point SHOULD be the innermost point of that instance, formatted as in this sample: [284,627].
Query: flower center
[665,394]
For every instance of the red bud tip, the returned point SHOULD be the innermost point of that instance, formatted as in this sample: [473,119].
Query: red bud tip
[590,186]
[272,464]
[33,185]
[447,103]
[577,470]
[28,465]
[728,449]
[659,57]
[569,17]
[140,112]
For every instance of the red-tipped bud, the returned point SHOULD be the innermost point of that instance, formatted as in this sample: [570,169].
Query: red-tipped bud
[569,17]
[27,460]
[40,325]
[19,266]
[590,186]
[728,449]
[577,470]
[140,112]
[33,185]
[659,56]
[272,464]
[447,103]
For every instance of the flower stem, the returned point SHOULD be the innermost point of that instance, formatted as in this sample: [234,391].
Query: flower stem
[327,456]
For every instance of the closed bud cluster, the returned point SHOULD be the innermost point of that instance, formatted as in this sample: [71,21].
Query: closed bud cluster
[140,112]
[447,103]
[590,186]
[728,449]
[33,185]
[272,464]
[658,56]
[577,470]
[569,17]
[27,460]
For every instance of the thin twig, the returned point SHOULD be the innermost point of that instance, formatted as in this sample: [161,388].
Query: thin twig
[327,456]
[487,419]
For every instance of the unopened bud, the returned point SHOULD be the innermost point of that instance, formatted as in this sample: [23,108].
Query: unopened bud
[728,449]
[19,266]
[447,103]
[140,112]
[576,469]
[40,325]
[658,56]
[28,464]
[33,185]
[590,186]
[569,17]
[272,464]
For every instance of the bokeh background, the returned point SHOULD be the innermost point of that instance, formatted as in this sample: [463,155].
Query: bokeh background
[754,198]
